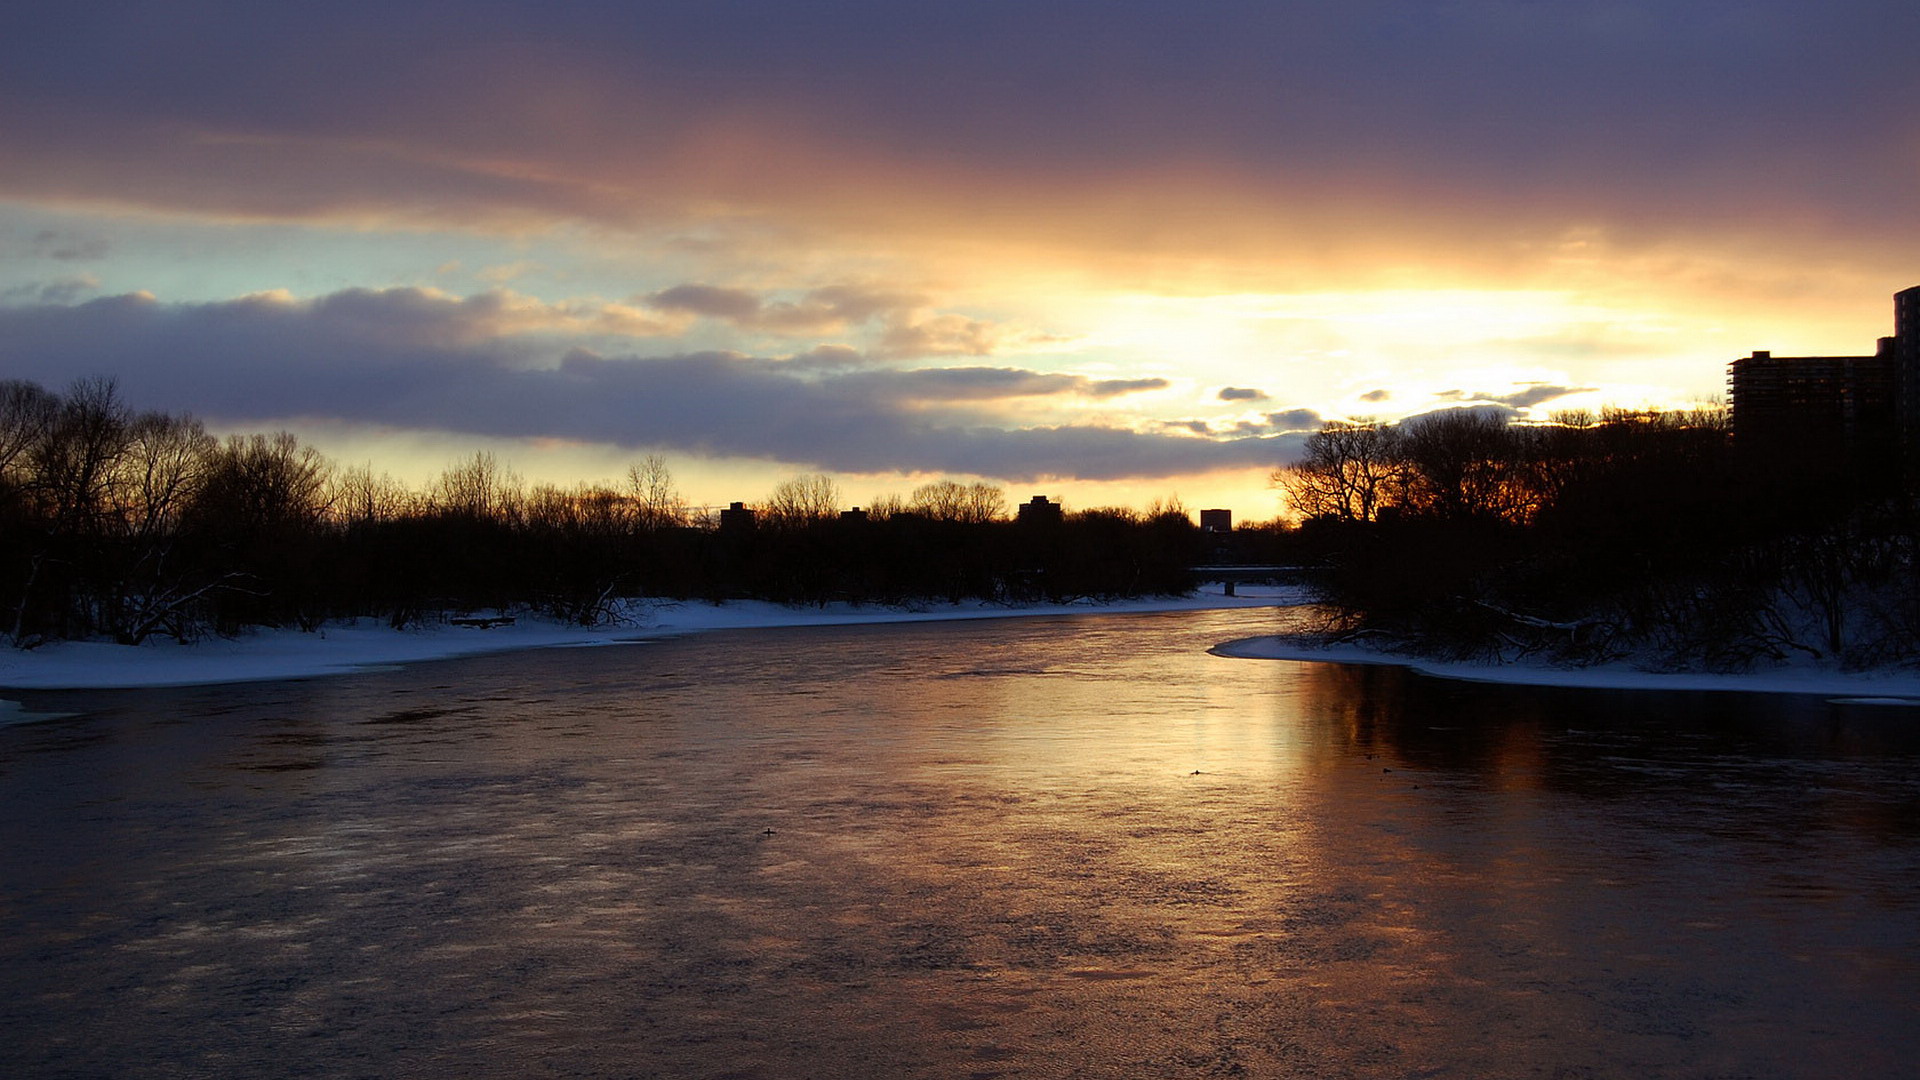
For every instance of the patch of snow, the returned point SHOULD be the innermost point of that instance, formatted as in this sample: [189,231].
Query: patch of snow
[365,644]
[1850,688]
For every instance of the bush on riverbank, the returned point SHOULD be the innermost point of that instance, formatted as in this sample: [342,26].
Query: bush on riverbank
[1630,534]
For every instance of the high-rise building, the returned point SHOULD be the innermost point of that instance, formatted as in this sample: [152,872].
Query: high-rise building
[1906,361]
[1861,413]
[1842,400]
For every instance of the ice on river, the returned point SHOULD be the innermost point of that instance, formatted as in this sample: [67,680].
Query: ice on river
[1883,687]
[347,646]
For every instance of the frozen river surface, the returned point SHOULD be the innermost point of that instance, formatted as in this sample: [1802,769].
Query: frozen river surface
[1031,848]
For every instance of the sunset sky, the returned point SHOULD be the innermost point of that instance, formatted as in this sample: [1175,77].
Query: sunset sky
[1104,251]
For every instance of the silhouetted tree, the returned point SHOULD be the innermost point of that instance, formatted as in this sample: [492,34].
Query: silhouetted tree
[478,488]
[1348,471]
[257,515]
[950,500]
[156,587]
[1461,463]
[656,501]
[360,497]
[802,501]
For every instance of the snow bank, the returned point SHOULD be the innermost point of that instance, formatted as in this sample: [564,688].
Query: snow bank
[1862,688]
[290,654]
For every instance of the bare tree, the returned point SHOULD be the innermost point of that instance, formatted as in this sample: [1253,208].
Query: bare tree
[1168,511]
[950,500]
[803,500]
[479,488]
[984,503]
[1348,471]
[165,461]
[73,462]
[1461,463]
[266,482]
[26,412]
[656,501]
[358,496]
[150,589]
[601,510]
[584,509]
[886,506]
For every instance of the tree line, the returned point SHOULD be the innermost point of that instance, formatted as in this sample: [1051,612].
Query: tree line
[136,525]
[1596,536]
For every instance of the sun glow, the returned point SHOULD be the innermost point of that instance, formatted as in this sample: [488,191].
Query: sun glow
[1325,349]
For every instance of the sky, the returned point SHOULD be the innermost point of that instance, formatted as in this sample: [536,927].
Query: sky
[1109,252]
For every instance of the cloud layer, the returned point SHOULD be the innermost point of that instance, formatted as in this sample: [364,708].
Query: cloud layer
[1482,126]
[414,359]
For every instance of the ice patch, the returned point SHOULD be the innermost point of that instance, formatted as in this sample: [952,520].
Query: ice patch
[371,645]
[1897,687]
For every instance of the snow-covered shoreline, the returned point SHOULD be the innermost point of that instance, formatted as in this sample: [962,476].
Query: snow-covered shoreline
[1866,688]
[368,643]
[344,647]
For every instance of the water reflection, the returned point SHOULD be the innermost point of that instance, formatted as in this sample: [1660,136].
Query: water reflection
[1032,848]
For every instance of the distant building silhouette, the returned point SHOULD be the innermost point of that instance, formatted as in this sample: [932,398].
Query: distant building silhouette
[736,518]
[1856,412]
[1039,511]
[1216,521]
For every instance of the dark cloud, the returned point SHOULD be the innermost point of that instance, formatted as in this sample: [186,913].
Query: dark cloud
[1504,412]
[1294,420]
[1528,396]
[1115,387]
[1376,396]
[1241,393]
[822,310]
[1539,394]
[69,246]
[1291,423]
[1634,114]
[350,357]
[710,300]
[1288,422]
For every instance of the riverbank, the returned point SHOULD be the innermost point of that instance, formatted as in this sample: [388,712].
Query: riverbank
[342,647]
[1895,687]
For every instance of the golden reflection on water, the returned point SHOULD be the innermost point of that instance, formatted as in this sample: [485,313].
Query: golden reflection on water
[1041,848]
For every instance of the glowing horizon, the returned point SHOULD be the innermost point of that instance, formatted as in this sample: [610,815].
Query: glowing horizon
[903,243]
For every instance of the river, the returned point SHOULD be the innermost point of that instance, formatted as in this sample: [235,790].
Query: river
[1040,847]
